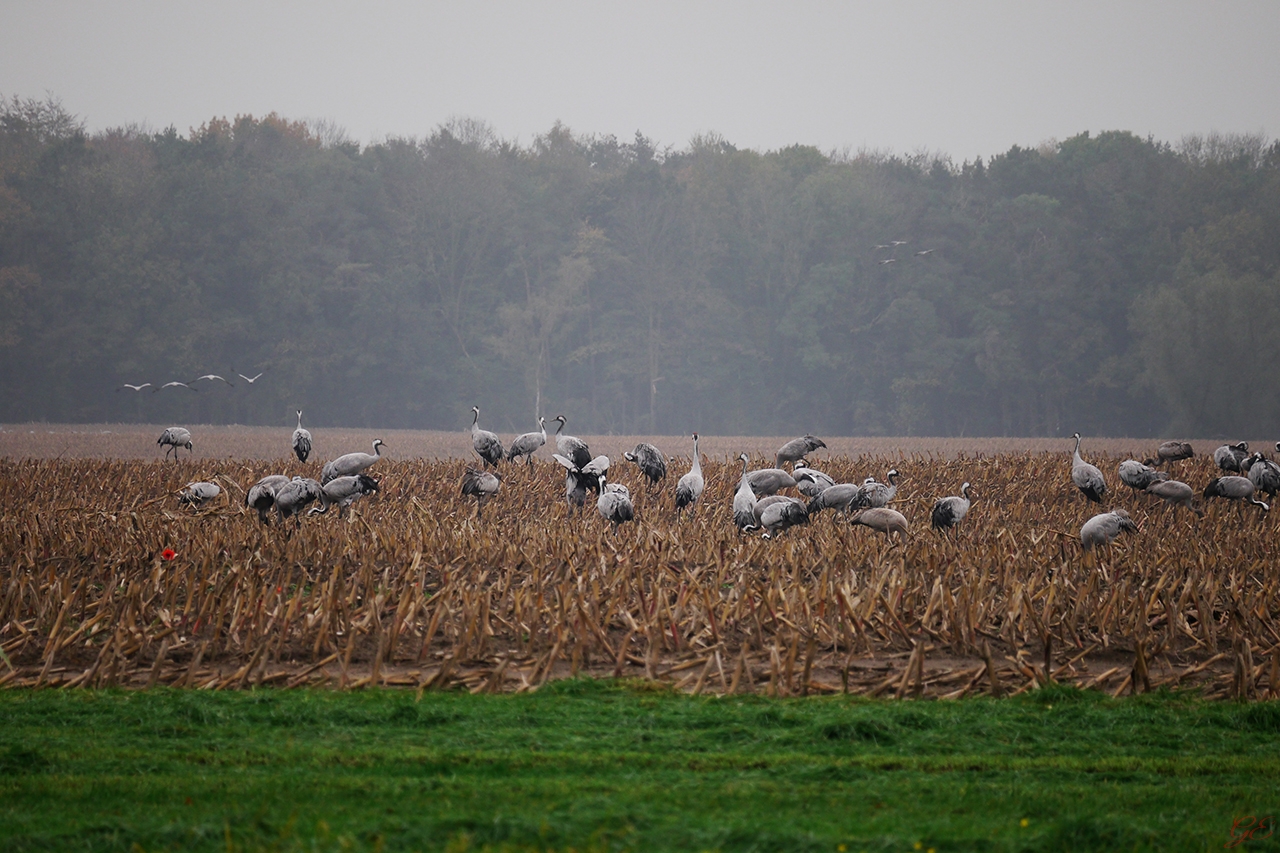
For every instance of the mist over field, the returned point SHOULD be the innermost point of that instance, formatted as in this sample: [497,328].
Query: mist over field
[1109,284]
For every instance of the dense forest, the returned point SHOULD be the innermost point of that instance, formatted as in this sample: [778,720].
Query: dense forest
[1108,284]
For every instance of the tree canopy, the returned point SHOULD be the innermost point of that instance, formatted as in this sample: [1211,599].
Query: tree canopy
[1108,283]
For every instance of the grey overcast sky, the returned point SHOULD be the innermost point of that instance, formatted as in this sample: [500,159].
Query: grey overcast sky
[961,78]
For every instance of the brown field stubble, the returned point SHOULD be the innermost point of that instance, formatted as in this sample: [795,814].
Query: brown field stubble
[413,589]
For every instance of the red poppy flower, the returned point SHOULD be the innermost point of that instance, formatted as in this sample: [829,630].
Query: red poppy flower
[168,554]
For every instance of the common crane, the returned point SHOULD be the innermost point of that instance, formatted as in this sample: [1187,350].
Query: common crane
[810,481]
[1104,527]
[301,440]
[1234,489]
[874,495]
[134,387]
[174,384]
[1263,473]
[614,503]
[1088,478]
[744,500]
[1138,475]
[525,445]
[248,380]
[481,485]
[649,460]
[211,377]
[770,481]
[262,495]
[351,463]
[841,496]
[294,496]
[1229,456]
[1173,451]
[689,489]
[1175,493]
[797,448]
[570,446]
[175,437]
[199,494]
[343,492]
[882,518]
[579,479]
[486,444]
[776,513]
[950,511]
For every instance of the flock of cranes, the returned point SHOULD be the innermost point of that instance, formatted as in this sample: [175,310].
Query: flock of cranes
[757,503]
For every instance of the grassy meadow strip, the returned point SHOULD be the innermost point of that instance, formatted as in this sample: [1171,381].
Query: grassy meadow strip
[586,765]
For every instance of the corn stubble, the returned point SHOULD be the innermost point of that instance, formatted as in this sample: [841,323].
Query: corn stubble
[411,588]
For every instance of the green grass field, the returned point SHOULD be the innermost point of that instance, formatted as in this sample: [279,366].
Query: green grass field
[597,766]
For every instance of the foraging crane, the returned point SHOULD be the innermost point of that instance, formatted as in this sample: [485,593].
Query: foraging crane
[1175,493]
[1138,475]
[1263,473]
[841,496]
[175,437]
[950,511]
[874,495]
[1229,456]
[570,446]
[579,479]
[689,489]
[1088,478]
[1234,489]
[744,500]
[351,463]
[301,440]
[810,481]
[486,444]
[482,485]
[525,445]
[294,496]
[262,495]
[770,481]
[1104,527]
[1173,451]
[882,518]
[343,492]
[776,513]
[614,503]
[649,460]
[796,449]
[199,494]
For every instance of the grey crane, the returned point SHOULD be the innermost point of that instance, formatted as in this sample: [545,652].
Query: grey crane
[1138,475]
[874,494]
[1088,478]
[301,440]
[199,494]
[770,481]
[1175,493]
[1234,489]
[342,492]
[351,463]
[481,485]
[1104,527]
[1173,451]
[485,443]
[882,518]
[1263,473]
[689,489]
[776,513]
[294,496]
[810,481]
[581,479]
[949,511]
[614,503]
[570,446]
[262,495]
[744,500]
[649,460]
[525,445]
[797,448]
[841,496]
[175,437]
[1229,456]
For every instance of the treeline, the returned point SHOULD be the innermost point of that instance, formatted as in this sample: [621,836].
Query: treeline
[1108,284]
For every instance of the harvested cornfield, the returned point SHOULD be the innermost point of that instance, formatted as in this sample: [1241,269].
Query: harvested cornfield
[414,588]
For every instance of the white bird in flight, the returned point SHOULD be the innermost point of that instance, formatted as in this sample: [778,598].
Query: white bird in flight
[174,384]
[247,379]
[134,387]
[212,376]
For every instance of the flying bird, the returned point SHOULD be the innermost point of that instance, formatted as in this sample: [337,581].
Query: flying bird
[247,379]
[212,377]
[923,252]
[134,387]
[174,384]
[889,261]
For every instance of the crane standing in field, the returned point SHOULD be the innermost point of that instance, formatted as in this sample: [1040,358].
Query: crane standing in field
[484,443]
[351,463]
[525,445]
[649,460]
[689,489]
[1088,478]
[301,441]
[797,448]
[950,511]
[175,437]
